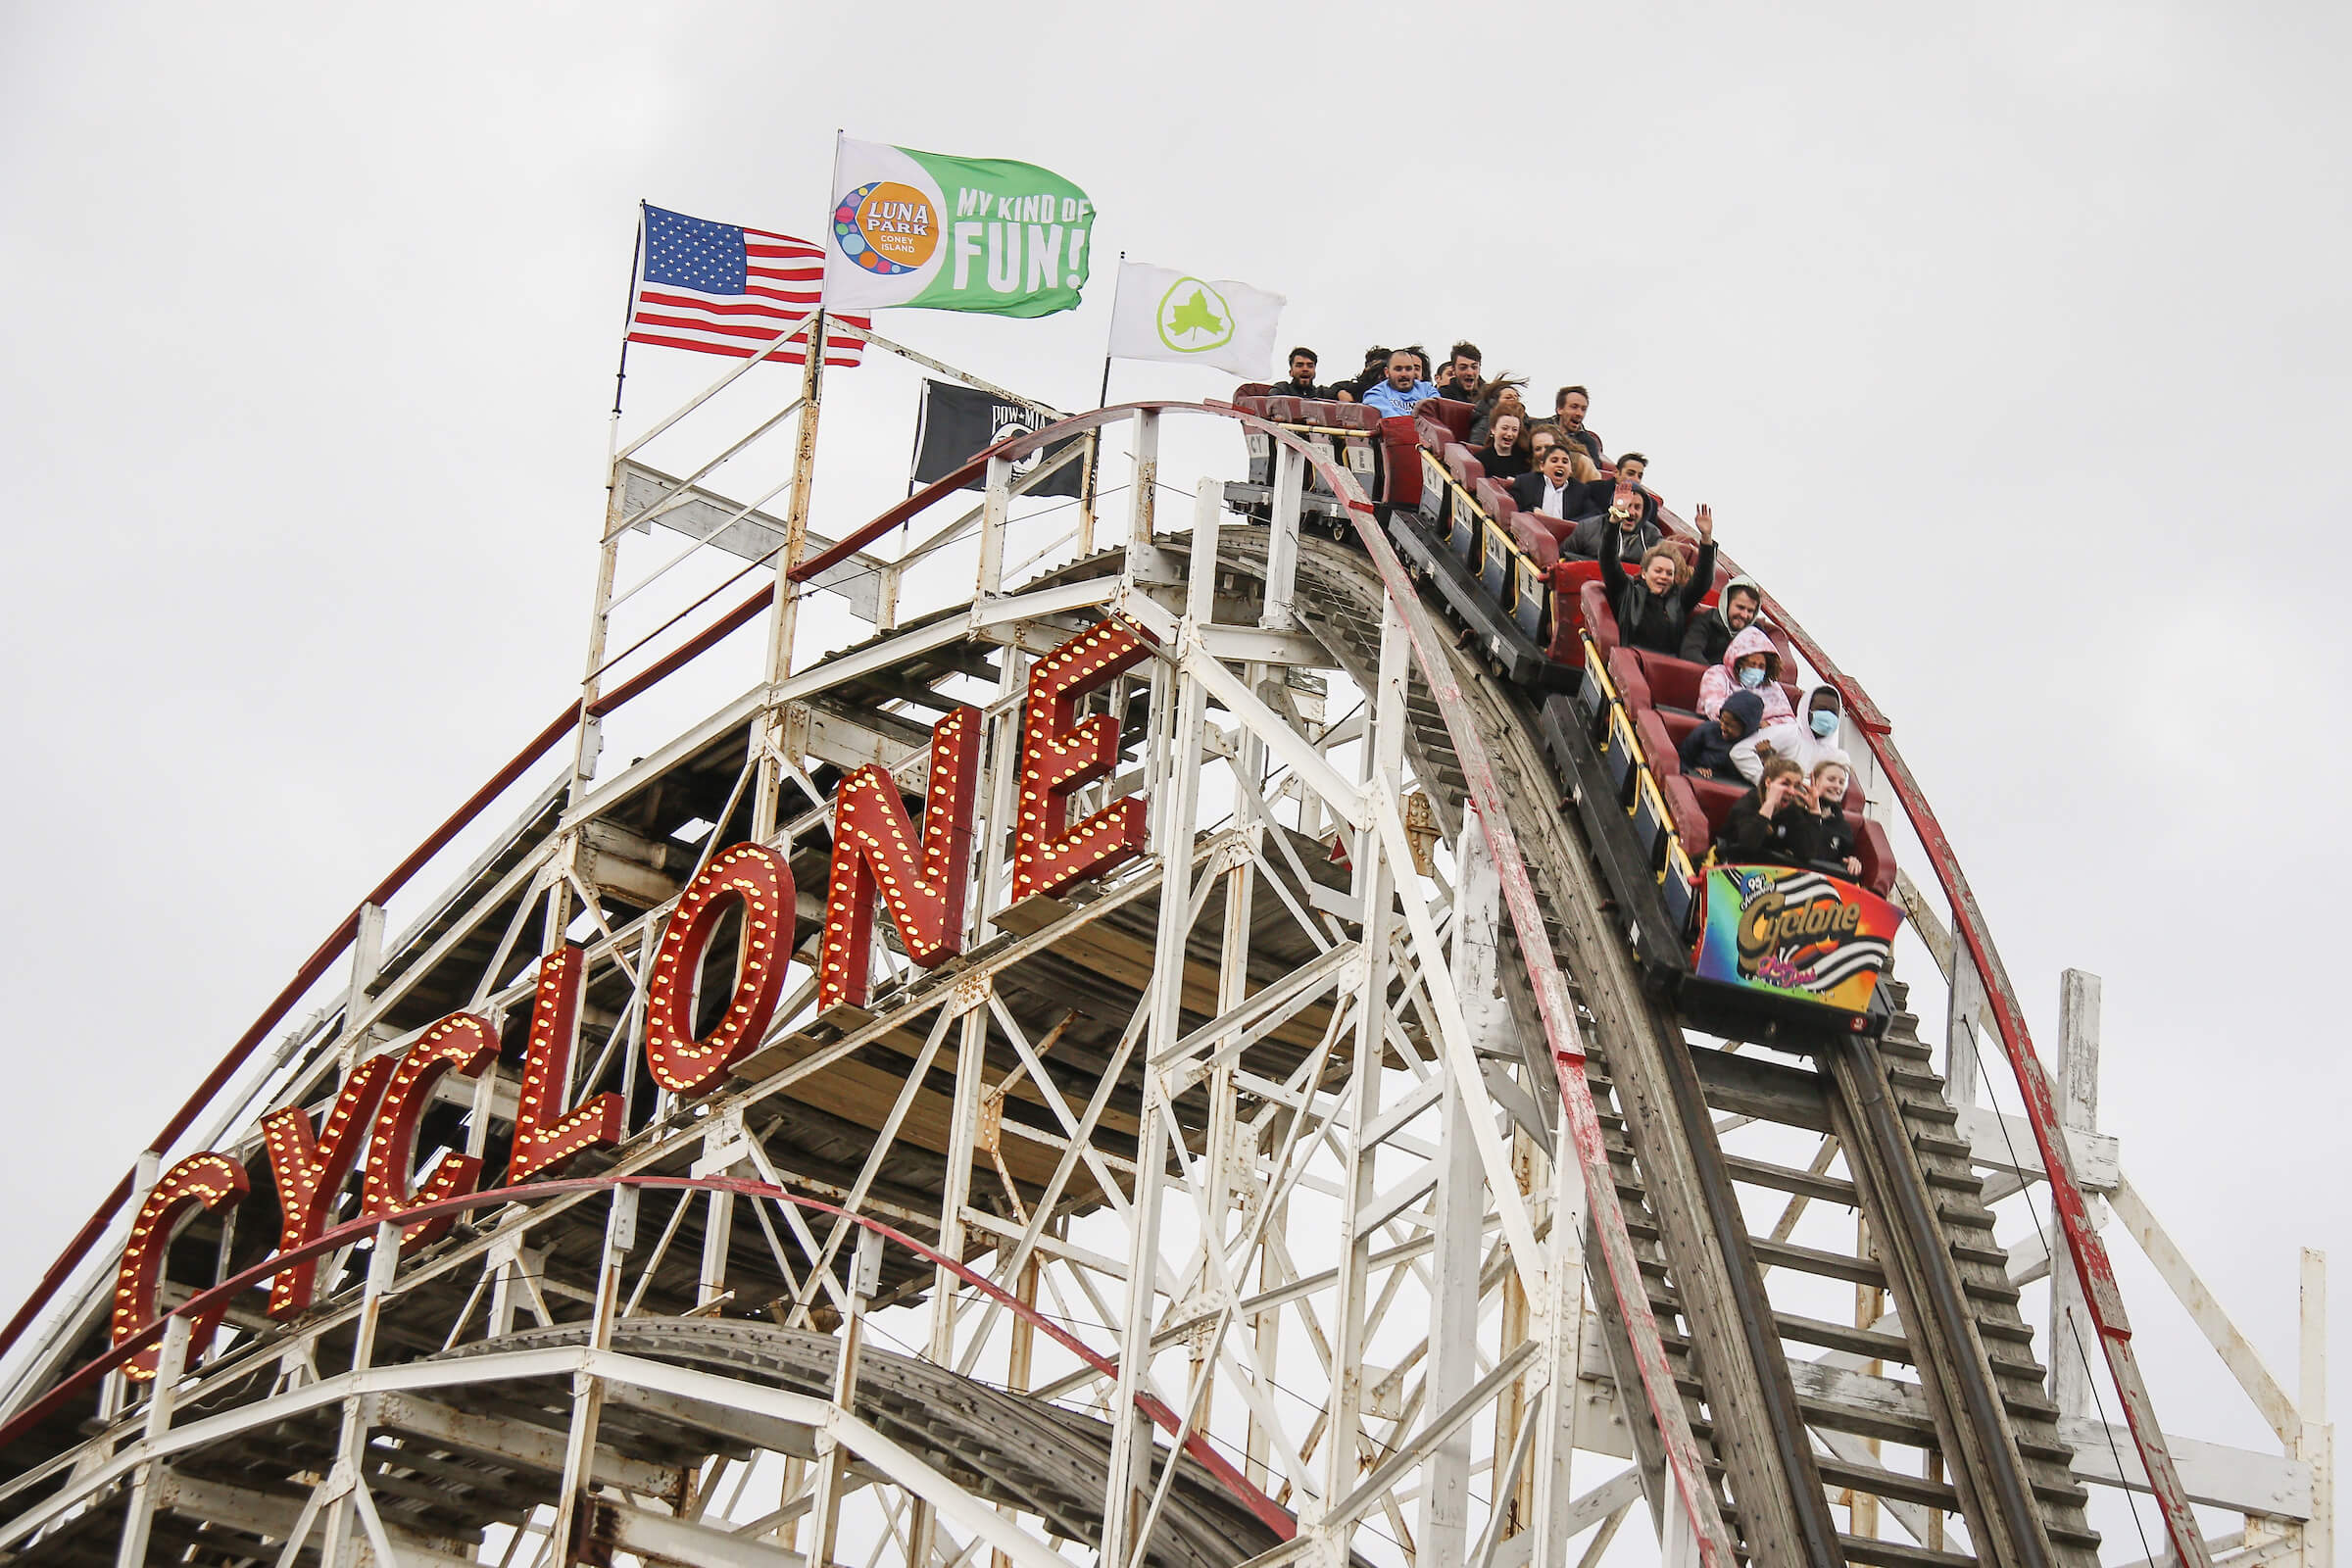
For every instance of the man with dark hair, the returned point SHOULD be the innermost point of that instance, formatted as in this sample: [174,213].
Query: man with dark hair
[1402,389]
[1710,635]
[1462,379]
[1631,516]
[1376,365]
[1568,413]
[1630,465]
[1552,487]
[1301,383]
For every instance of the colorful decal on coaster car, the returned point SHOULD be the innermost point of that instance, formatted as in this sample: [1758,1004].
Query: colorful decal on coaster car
[1790,932]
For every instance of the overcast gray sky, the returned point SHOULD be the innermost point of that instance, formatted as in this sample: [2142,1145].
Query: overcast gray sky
[2009,343]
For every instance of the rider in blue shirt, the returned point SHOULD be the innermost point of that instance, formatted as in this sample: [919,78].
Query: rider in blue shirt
[1403,390]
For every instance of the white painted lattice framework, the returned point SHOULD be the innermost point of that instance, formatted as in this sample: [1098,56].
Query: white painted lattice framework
[1282,1183]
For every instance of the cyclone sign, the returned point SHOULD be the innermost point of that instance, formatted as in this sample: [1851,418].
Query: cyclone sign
[1794,933]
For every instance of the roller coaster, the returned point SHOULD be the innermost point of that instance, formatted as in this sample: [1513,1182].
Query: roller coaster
[1288,1110]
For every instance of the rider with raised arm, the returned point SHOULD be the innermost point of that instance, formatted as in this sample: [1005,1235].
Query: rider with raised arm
[1653,607]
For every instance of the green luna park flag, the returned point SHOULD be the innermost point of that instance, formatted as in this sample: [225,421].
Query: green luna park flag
[939,233]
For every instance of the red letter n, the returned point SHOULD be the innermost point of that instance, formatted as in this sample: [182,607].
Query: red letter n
[875,856]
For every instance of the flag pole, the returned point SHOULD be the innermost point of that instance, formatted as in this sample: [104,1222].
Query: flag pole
[784,622]
[1094,437]
[628,317]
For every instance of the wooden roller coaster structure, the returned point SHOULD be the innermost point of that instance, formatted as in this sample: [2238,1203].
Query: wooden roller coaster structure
[1312,1180]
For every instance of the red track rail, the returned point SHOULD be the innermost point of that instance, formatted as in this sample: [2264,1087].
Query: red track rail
[2103,1297]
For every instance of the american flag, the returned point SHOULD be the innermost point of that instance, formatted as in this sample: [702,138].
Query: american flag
[719,289]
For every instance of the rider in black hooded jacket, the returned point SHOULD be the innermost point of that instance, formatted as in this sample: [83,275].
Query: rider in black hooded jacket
[1651,611]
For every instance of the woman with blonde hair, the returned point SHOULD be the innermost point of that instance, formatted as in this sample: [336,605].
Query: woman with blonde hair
[1825,835]
[1655,603]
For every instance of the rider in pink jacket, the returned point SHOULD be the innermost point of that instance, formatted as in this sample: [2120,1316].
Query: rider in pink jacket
[1753,649]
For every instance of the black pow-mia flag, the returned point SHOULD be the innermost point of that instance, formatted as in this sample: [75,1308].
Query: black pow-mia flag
[957,423]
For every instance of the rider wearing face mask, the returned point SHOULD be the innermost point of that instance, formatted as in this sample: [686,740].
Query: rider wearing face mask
[1752,663]
[1808,740]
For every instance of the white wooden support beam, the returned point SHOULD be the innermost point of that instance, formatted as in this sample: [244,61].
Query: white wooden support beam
[2240,1480]
[359,1410]
[2237,1351]
[1142,493]
[1964,1011]
[2315,1446]
[259,1513]
[1282,543]
[1560,1319]
[831,1477]
[1374,884]
[517,1443]
[2072,1334]
[2005,1144]
[621,1526]
[993,514]
[1290,749]
[587,1390]
[1174,795]
[1461,1202]
[138,1522]
[367,959]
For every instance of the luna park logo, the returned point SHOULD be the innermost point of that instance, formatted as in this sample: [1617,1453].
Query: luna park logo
[886,227]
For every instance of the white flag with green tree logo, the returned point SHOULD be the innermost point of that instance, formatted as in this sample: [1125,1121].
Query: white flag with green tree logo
[1161,313]
[939,233]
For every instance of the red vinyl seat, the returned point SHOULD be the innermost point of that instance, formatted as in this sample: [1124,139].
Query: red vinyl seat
[1455,416]
[1543,547]
[1600,621]
[1496,497]
[1252,405]
[1673,682]
[1466,469]
[1399,477]
[1657,744]
[1284,411]
[1433,434]
[1690,822]
[1251,389]
[1625,674]
[1558,527]
[1335,416]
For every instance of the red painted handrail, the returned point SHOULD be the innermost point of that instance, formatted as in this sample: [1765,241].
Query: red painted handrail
[2103,1298]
